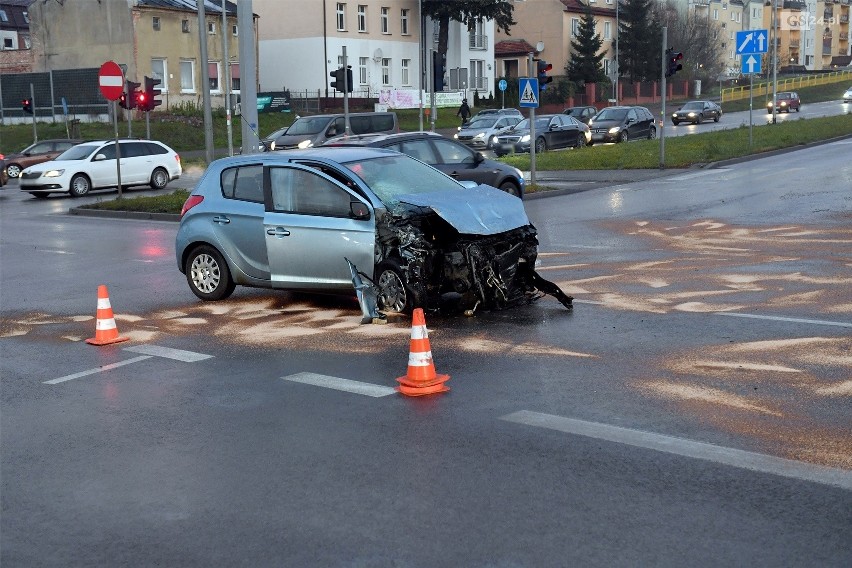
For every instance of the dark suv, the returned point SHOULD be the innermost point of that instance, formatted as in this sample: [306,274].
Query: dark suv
[453,158]
[622,123]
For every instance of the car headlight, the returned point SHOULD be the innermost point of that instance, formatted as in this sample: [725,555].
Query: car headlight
[525,138]
[674,115]
[53,173]
[691,115]
[783,103]
[614,130]
[494,140]
[456,136]
[272,145]
[305,144]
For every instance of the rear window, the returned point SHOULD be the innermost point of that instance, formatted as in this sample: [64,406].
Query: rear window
[133,150]
[366,124]
[155,149]
[244,183]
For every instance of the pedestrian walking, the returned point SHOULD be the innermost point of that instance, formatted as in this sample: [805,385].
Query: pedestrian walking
[463,112]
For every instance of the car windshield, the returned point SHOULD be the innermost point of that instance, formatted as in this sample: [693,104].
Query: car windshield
[277,133]
[80,152]
[610,114]
[392,176]
[485,122]
[784,96]
[693,106]
[309,125]
[578,112]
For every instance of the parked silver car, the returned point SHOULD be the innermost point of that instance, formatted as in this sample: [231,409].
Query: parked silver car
[295,220]
[480,132]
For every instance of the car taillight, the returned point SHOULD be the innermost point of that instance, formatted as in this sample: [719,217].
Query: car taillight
[191,202]
[177,158]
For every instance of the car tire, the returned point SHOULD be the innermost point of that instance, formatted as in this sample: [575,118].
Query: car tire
[540,145]
[675,122]
[581,140]
[208,274]
[700,119]
[510,187]
[623,137]
[79,186]
[652,132]
[395,295]
[13,170]
[717,117]
[159,178]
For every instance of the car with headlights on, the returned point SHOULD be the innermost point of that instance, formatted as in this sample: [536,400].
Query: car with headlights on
[847,96]
[697,112]
[92,165]
[314,130]
[454,159]
[312,220]
[787,101]
[479,133]
[552,131]
[622,123]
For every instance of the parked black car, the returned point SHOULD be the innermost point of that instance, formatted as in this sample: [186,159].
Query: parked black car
[582,113]
[623,123]
[452,158]
[551,131]
[697,112]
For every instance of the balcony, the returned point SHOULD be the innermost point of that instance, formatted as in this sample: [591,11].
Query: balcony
[794,44]
[478,41]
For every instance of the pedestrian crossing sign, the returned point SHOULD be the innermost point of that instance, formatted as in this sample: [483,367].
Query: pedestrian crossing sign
[529,92]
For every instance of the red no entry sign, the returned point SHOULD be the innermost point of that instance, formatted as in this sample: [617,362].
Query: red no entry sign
[111,80]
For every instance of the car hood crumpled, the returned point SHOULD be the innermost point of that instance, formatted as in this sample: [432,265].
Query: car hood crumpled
[483,210]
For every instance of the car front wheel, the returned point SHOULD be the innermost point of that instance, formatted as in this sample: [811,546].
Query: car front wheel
[394,293]
[208,275]
[623,136]
[581,140]
[13,170]
[540,146]
[652,133]
[159,178]
[511,188]
[80,185]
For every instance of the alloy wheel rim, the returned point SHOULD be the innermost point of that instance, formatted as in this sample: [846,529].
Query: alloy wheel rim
[205,273]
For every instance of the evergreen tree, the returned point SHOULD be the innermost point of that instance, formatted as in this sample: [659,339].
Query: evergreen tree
[586,57]
[639,39]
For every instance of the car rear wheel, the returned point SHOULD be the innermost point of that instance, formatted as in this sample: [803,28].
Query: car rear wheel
[159,178]
[80,185]
[623,136]
[540,146]
[511,188]
[13,170]
[208,275]
[394,293]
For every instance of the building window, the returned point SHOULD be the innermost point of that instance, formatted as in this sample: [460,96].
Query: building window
[213,77]
[187,76]
[211,28]
[403,21]
[406,63]
[26,16]
[575,26]
[8,43]
[384,19]
[607,30]
[341,17]
[715,13]
[184,26]
[235,30]
[158,70]
[478,79]
[3,17]
[362,70]
[362,18]
[235,77]
[155,23]
[386,76]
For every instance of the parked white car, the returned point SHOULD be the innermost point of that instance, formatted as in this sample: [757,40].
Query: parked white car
[847,96]
[91,165]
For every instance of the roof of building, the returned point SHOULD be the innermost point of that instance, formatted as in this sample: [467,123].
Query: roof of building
[209,5]
[581,7]
[512,47]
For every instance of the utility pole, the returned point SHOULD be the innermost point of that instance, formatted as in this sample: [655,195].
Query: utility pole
[226,72]
[774,60]
[531,67]
[663,64]
[617,70]
[205,83]
[347,128]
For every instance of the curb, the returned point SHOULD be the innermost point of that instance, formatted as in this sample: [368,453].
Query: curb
[106,213]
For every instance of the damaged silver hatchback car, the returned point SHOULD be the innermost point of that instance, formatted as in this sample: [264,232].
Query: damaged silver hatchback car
[318,219]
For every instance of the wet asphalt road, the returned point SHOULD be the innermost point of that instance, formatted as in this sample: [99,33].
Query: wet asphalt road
[693,409]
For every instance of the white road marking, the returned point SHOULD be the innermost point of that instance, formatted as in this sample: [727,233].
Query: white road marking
[355,387]
[98,370]
[169,353]
[780,318]
[684,177]
[593,302]
[56,251]
[688,448]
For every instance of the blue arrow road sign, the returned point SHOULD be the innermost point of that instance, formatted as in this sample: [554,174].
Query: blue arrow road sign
[750,64]
[528,88]
[752,41]
[502,84]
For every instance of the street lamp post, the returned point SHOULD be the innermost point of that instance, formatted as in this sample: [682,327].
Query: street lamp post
[617,70]
[422,65]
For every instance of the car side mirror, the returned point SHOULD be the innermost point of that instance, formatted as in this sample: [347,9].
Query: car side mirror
[99,157]
[631,120]
[359,210]
[478,158]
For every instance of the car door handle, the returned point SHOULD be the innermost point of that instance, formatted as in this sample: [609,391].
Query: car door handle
[278,232]
[221,219]
[454,174]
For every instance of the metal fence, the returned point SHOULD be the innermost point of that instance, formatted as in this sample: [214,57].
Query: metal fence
[72,92]
[765,88]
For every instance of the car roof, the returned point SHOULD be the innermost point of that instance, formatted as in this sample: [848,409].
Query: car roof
[326,153]
[368,139]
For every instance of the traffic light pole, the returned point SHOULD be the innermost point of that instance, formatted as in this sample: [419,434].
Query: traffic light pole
[664,68]
[117,146]
[347,128]
[32,103]
[531,72]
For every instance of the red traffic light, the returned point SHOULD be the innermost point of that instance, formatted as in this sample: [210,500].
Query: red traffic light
[27,106]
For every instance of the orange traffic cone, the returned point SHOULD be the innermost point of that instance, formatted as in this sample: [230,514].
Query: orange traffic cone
[105,330]
[421,378]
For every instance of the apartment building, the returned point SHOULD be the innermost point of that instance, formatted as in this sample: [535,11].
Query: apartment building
[301,42]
